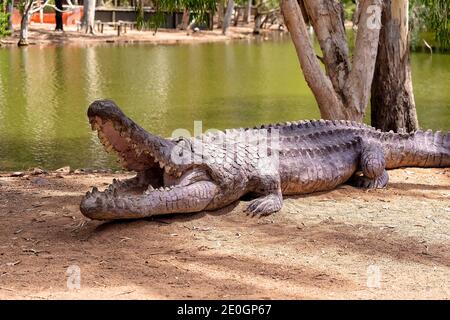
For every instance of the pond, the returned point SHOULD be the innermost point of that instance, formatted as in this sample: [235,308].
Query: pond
[45,92]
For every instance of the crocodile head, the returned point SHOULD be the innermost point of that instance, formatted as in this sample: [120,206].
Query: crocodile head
[173,175]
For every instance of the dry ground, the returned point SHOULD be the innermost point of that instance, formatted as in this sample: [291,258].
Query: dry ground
[326,245]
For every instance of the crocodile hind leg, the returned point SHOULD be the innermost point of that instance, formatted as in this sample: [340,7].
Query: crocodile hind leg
[271,199]
[362,181]
[372,165]
[266,205]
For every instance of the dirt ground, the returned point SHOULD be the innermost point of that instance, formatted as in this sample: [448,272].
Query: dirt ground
[44,34]
[347,243]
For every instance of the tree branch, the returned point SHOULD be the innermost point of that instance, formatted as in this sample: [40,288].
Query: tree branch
[326,18]
[39,7]
[360,79]
[329,103]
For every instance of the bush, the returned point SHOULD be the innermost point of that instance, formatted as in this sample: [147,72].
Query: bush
[4,30]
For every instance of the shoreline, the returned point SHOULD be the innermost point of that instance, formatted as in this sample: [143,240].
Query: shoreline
[43,34]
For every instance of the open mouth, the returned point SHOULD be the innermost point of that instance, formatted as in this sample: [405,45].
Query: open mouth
[153,172]
[159,187]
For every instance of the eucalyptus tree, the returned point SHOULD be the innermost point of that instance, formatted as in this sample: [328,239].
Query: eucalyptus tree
[88,20]
[28,7]
[379,67]
[343,90]
[248,11]
[227,17]
[392,98]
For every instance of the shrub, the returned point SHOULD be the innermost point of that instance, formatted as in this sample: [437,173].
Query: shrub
[4,30]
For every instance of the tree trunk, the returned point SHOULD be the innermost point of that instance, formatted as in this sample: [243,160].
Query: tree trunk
[58,15]
[257,27]
[227,17]
[23,36]
[392,100]
[185,21]
[248,11]
[140,22]
[236,18]
[89,16]
[257,19]
[220,10]
[10,10]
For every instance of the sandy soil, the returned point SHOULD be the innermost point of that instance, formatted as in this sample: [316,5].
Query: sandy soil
[42,34]
[347,243]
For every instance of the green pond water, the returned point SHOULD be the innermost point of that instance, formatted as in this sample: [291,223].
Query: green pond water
[45,92]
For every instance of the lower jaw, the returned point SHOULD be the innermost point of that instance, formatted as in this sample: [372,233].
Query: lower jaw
[106,206]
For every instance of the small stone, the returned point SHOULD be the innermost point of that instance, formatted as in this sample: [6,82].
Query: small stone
[37,171]
[17,174]
[64,170]
[40,182]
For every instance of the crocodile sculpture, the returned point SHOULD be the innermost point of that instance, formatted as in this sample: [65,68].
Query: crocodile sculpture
[211,171]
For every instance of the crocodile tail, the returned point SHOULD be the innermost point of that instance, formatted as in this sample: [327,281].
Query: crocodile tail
[417,149]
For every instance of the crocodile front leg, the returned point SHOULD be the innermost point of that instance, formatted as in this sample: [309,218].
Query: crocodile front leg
[109,205]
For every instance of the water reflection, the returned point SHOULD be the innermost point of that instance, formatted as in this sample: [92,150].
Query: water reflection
[45,91]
